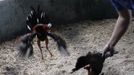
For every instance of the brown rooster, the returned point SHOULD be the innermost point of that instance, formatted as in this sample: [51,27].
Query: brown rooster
[38,23]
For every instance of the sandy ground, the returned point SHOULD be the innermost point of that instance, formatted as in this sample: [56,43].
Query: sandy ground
[81,38]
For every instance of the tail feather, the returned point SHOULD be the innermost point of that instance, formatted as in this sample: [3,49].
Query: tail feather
[62,47]
[32,8]
[34,17]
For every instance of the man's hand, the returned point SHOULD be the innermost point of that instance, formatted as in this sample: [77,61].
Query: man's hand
[109,51]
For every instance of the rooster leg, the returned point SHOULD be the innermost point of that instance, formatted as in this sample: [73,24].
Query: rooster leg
[90,72]
[39,45]
[88,68]
[46,41]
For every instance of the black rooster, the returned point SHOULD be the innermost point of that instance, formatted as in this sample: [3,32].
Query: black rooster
[93,62]
[38,23]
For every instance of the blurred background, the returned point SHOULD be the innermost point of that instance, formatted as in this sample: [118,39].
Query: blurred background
[13,13]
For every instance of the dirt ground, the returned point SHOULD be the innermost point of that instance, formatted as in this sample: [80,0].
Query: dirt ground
[81,38]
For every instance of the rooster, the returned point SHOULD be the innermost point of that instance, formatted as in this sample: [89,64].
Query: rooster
[92,62]
[39,25]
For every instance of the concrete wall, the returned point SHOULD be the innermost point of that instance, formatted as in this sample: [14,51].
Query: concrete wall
[14,12]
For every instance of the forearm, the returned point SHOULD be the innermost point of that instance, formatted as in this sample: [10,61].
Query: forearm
[119,30]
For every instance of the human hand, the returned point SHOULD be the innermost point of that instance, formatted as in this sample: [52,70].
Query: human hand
[109,51]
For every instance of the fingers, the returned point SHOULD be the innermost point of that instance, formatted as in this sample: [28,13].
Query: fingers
[110,53]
